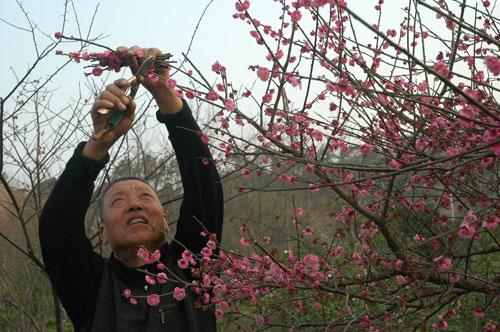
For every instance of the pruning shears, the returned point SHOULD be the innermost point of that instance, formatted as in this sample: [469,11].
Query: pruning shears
[133,83]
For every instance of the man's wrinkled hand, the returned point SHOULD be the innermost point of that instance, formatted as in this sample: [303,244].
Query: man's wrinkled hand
[112,99]
[165,97]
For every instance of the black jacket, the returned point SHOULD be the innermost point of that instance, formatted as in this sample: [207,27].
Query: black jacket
[81,277]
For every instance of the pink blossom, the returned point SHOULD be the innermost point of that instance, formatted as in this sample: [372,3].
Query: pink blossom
[307,231]
[443,264]
[357,258]
[153,78]
[392,33]
[418,237]
[493,64]
[58,35]
[383,99]
[244,242]
[229,105]
[491,222]
[490,327]
[179,293]
[260,320]
[241,7]
[336,252]
[156,255]
[190,94]
[401,279]
[161,278]
[204,138]
[127,293]
[96,71]
[153,299]
[267,98]
[468,226]
[366,149]
[147,256]
[395,164]
[453,277]
[298,212]
[219,313]
[479,313]
[441,326]
[150,280]
[245,173]
[442,68]
[365,321]
[212,96]
[263,73]
[293,80]
[420,144]
[133,300]
[217,67]
[295,16]
[182,263]
[188,256]
[423,86]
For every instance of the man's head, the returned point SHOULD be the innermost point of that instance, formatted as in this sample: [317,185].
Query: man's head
[132,215]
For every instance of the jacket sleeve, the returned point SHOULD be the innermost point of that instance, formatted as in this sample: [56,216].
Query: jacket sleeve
[202,204]
[74,269]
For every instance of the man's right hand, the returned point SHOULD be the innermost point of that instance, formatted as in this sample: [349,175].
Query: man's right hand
[113,98]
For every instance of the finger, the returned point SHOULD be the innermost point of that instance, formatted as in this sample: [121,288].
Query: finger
[131,108]
[118,92]
[116,100]
[137,51]
[132,60]
[154,52]
[122,49]
[122,84]
[102,106]
[128,118]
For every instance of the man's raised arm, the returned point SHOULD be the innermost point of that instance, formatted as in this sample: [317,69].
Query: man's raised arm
[202,204]
[203,199]
[73,267]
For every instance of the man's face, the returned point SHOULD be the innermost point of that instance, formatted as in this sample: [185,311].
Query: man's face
[133,216]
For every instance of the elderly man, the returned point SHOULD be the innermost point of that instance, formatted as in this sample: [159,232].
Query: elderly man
[95,290]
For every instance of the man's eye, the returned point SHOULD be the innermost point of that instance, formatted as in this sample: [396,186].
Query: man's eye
[146,195]
[116,201]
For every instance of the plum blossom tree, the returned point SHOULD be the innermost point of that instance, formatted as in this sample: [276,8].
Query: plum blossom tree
[399,125]
[405,137]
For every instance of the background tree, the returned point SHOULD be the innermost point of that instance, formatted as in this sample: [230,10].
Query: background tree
[360,168]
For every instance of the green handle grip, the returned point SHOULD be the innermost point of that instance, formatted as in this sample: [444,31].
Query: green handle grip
[115,117]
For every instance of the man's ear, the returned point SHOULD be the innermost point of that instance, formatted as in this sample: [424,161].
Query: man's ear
[104,233]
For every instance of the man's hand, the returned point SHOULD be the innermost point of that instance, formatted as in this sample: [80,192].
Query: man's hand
[165,97]
[113,98]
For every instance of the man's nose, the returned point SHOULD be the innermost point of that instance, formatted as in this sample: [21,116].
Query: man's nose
[135,204]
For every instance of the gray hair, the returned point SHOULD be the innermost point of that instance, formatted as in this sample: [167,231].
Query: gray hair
[100,202]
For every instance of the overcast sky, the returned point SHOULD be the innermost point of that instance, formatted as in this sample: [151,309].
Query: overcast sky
[166,24]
